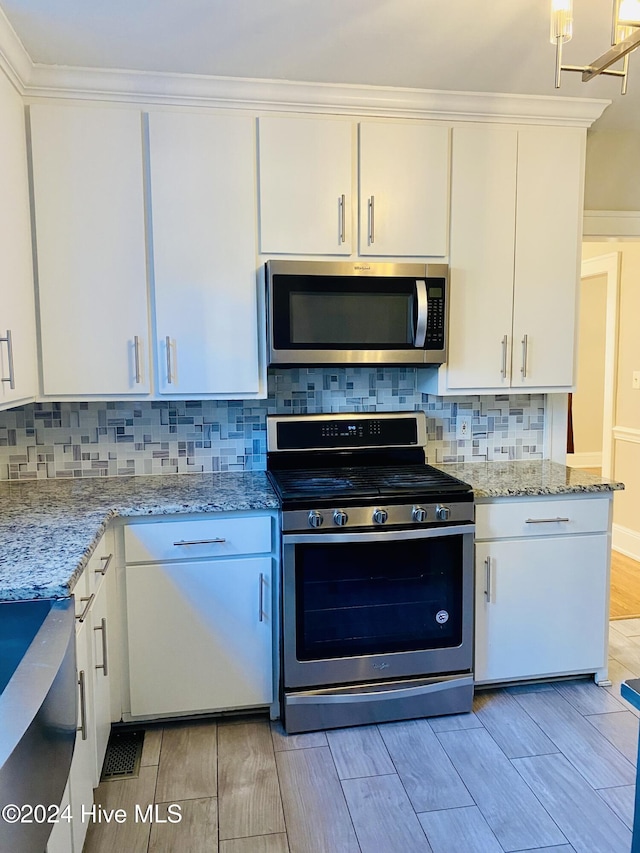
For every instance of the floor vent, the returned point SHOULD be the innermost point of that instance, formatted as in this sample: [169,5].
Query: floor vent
[122,760]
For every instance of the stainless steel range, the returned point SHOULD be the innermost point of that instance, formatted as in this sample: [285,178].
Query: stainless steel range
[377,611]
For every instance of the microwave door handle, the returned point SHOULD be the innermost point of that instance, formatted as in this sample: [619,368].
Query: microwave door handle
[423,314]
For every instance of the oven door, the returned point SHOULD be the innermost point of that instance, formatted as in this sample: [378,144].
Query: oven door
[375,605]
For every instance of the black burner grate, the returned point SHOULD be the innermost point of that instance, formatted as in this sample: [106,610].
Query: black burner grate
[124,752]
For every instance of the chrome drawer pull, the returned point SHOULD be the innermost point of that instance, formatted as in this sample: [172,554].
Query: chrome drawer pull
[261,600]
[525,351]
[11,379]
[107,563]
[372,227]
[103,666]
[487,582]
[199,541]
[83,705]
[341,204]
[167,342]
[136,354]
[545,520]
[503,369]
[87,607]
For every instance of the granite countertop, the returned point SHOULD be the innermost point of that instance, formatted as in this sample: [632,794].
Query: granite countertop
[527,478]
[49,528]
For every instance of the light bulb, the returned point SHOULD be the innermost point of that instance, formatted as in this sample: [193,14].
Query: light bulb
[629,13]
[562,20]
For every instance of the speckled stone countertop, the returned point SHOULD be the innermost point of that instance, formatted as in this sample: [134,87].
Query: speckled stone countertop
[49,528]
[519,479]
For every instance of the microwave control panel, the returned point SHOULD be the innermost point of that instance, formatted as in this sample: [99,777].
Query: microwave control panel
[435,318]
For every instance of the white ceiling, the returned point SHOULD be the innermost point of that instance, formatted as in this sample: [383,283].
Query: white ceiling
[464,45]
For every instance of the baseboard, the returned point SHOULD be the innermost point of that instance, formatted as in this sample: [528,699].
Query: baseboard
[626,541]
[584,460]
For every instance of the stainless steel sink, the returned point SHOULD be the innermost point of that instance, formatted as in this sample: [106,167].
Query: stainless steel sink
[37,712]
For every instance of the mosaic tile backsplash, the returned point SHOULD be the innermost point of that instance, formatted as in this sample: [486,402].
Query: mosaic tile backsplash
[107,439]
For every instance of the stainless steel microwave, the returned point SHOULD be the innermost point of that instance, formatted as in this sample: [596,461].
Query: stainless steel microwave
[346,312]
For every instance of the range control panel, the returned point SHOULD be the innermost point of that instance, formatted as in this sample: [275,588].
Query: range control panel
[326,433]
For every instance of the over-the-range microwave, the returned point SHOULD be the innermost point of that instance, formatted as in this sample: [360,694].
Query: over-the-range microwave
[346,312]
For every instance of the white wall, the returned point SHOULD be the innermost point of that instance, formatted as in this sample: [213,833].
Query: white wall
[612,177]
[626,444]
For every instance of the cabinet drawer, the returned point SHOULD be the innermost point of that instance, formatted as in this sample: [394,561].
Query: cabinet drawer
[542,517]
[191,540]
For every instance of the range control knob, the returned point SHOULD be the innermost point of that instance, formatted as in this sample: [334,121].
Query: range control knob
[380,516]
[340,517]
[443,513]
[419,513]
[315,518]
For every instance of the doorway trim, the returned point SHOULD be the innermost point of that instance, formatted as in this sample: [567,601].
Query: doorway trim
[608,265]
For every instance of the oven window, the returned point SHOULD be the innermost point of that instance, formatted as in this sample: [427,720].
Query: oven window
[369,598]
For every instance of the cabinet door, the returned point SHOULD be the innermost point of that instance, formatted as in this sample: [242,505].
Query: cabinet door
[89,214]
[101,671]
[483,206]
[404,189]
[17,312]
[541,607]
[82,777]
[548,244]
[200,635]
[305,185]
[204,248]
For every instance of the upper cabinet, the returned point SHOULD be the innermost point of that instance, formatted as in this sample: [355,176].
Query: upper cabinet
[90,235]
[307,175]
[203,180]
[306,185]
[404,189]
[18,372]
[516,202]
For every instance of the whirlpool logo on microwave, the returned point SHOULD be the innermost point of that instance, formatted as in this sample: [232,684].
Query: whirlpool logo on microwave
[381,664]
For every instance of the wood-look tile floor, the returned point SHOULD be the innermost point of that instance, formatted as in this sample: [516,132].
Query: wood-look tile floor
[540,767]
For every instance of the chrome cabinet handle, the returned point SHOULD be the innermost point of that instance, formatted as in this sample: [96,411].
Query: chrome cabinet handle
[167,341]
[341,206]
[503,370]
[83,705]
[545,520]
[104,665]
[372,227]
[525,348]
[87,607]
[261,599]
[198,541]
[8,340]
[106,563]
[138,363]
[487,579]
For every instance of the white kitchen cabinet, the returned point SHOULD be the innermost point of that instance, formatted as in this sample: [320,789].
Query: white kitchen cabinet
[60,839]
[404,188]
[91,255]
[516,218]
[82,778]
[18,373]
[203,186]
[94,595]
[200,622]
[306,185]
[542,588]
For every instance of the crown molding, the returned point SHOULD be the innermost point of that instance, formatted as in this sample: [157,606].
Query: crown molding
[36,81]
[138,87]
[14,59]
[612,224]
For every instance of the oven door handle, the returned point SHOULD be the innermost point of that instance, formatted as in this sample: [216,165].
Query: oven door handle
[422,314]
[387,691]
[377,535]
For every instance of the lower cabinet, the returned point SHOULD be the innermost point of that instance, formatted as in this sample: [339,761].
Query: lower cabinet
[542,588]
[200,605]
[94,595]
